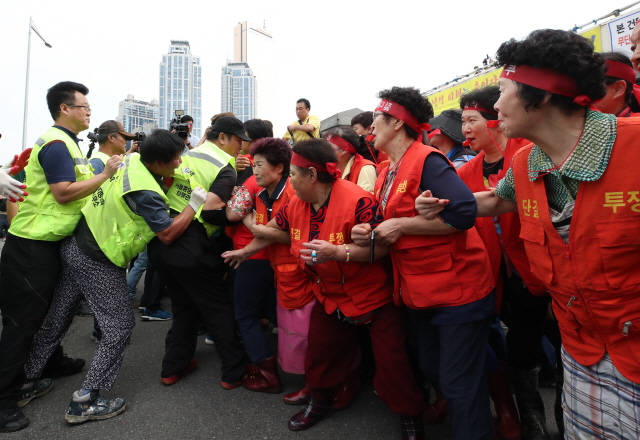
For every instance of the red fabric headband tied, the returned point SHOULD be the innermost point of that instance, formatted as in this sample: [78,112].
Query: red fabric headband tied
[473,105]
[398,111]
[434,132]
[620,70]
[303,162]
[546,79]
[341,143]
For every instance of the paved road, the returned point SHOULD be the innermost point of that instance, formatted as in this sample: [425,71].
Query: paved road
[197,407]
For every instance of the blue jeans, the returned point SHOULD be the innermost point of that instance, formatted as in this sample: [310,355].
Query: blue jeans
[136,273]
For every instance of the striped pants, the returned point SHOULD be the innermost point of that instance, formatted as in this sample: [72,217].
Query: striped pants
[599,402]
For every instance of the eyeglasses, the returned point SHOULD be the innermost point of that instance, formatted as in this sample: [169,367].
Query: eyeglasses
[86,107]
[376,114]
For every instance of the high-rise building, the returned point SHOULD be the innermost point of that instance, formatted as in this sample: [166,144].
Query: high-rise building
[180,85]
[135,115]
[256,47]
[239,91]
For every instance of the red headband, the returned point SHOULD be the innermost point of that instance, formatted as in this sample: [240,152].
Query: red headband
[303,162]
[435,132]
[545,79]
[473,105]
[398,111]
[341,143]
[621,70]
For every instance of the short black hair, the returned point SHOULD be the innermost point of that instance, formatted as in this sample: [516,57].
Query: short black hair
[319,151]
[269,124]
[485,97]
[358,142]
[305,101]
[63,93]
[186,118]
[629,97]
[257,129]
[104,137]
[411,99]
[365,119]
[161,146]
[563,51]
[276,151]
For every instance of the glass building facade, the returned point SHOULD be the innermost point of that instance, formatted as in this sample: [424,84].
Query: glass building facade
[180,85]
[238,93]
[137,115]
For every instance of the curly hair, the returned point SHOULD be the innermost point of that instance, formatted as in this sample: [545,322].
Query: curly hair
[486,97]
[358,142]
[411,99]
[629,97]
[319,151]
[276,151]
[563,51]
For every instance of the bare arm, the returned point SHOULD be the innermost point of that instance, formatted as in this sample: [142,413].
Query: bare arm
[12,210]
[235,257]
[326,251]
[65,192]
[490,205]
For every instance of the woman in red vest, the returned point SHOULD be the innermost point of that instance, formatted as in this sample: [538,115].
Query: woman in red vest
[295,294]
[622,92]
[350,291]
[355,161]
[579,209]
[441,268]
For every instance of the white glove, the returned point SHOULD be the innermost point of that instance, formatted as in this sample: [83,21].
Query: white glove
[9,187]
[198,197]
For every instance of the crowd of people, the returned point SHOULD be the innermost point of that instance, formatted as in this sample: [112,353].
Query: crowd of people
[458,253]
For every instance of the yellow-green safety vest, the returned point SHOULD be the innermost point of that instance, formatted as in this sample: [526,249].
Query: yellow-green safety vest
[100,155]
[40,216]
[199,167]
[119,232]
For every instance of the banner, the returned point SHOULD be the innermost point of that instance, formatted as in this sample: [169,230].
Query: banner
[620,32]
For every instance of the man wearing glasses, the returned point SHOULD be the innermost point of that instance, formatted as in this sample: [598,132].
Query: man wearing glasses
[60,179]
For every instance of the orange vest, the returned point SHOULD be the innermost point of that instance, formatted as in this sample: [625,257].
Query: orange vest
[358,163]
[432,270]
[239,233]
[295,288]
[595,280]
[356,288]
[472,175]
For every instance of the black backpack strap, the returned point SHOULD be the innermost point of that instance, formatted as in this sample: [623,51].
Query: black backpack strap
[308,132]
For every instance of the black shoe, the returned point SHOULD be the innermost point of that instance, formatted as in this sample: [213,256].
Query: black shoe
[12,419]
[38,389]
[66,367]
[95,408]
[312,414]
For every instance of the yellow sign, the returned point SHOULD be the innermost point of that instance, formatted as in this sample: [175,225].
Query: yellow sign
[449,99]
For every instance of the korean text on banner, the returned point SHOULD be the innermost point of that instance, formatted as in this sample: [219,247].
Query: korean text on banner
[620,32]
[449,99]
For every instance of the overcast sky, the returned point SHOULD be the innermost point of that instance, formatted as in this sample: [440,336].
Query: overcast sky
[338,55]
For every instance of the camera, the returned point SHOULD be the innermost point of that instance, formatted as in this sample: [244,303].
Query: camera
[181,128]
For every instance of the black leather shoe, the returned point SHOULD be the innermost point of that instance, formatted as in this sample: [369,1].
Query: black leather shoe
[312,414]
[12,419]
[65,367]
[38,389]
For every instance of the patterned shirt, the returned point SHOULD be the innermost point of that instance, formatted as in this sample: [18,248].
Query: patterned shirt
[586,164]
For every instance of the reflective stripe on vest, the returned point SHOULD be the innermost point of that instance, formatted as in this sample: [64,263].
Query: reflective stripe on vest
[119,232]
[40,216]
[199,167]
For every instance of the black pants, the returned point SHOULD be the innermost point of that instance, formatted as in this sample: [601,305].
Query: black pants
[525,315]
[194,276]
[153,288]
[30,271]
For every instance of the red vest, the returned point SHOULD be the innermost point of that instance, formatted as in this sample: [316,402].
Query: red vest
[472,175]
[295,288]
[595,280]
[356,288]
[357,166]
[432,270]
[239,233]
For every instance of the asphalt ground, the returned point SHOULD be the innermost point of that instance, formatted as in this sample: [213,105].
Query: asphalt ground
[197,407]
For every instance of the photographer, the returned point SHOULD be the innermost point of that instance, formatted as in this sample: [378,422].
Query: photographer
[112,139]
[190,141]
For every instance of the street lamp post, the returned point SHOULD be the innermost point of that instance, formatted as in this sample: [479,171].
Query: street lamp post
[26,89]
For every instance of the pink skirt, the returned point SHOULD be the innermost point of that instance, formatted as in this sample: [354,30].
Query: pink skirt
[293,329]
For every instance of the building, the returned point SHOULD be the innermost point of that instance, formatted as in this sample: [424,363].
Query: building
[180,85]
[256,47]
[137,115]
[238,93]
